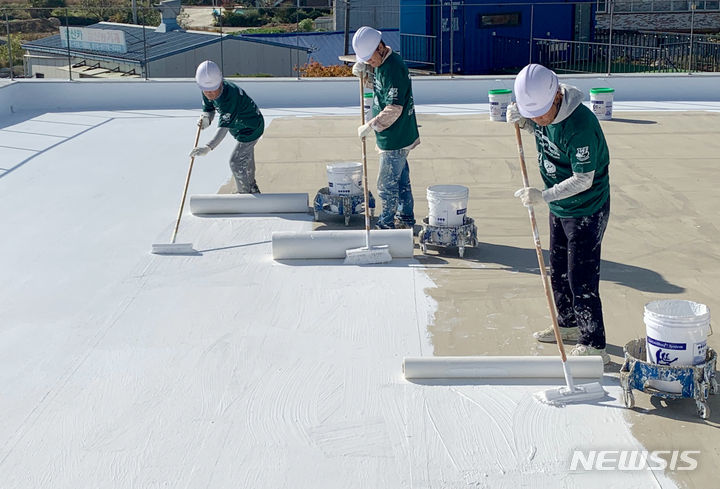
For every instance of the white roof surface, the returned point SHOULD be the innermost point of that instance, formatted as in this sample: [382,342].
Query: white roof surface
[123,369]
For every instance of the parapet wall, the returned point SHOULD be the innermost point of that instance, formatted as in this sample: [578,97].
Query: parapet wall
[53,95]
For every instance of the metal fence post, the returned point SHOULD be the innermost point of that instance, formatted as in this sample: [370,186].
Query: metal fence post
[145,62]
[297,38]
[612,10]
[442,37]
[67,33]
[346,27]
[692,25]
[9,43]
[452,36]
[222,58]
[532,22]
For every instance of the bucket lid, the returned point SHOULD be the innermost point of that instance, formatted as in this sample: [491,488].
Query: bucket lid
[602,90]
[448,190]
[344,166]
[679,309]
[499,91]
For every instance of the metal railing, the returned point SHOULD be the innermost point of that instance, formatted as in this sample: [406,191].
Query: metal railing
[417,50]
[583,57]
[576,57]
[442,41]
[652,6]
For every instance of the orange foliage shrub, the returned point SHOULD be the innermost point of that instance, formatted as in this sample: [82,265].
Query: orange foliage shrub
[315,69]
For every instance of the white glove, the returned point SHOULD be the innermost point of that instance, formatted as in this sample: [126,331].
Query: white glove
[200,151]
[364,130]
[205,120]
[359,69]
[512,116]
[530,196]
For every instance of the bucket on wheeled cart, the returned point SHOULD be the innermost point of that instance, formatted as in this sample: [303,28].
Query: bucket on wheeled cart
[458,237]
[696,382]
[341,205]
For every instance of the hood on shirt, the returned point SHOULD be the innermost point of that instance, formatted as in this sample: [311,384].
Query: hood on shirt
[572,98]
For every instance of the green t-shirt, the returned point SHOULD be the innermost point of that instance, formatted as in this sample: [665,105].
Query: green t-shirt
[393,87]
[236,111]
[576,144]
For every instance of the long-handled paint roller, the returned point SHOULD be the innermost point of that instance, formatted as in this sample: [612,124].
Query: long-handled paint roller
[367,254]
[570,392]
[173,248]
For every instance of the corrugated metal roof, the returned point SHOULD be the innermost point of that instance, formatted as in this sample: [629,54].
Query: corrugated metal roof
[159,44]
[325,46]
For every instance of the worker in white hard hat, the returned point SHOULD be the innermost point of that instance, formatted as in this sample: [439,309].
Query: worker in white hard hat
[573,159]
[237,114]
[393,122]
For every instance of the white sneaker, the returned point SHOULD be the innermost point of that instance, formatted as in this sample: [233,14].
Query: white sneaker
[584,351]
[547,335]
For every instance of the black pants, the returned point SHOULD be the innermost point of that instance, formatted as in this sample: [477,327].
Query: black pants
[575,273]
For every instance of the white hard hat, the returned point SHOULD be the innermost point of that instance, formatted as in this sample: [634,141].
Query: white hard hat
[208,76]
[535,89]
[365,42]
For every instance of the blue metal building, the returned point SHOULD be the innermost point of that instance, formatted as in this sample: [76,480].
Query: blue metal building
[484,37]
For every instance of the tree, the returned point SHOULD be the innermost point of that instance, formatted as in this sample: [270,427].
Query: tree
[17,52]
[42,8]
[306,25]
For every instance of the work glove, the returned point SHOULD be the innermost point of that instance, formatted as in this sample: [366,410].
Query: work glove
[364,130]
[512,115]
[205,120]
[200,151]
[530,196]
[360,69]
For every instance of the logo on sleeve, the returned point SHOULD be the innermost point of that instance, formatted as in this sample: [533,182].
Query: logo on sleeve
[393,93]
[583,154]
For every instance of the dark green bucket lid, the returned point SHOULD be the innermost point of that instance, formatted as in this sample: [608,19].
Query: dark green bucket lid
[602,90]
[499,91]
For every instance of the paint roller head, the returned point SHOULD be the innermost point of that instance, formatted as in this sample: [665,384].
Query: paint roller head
[368,256]
[173,249]
[574,394]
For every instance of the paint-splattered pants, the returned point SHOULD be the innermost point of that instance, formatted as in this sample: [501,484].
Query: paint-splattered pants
[575,276]
[394,189]
[242,165]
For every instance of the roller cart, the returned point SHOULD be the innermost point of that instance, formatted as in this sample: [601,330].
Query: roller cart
[342,205]
[448,236]
[697,381]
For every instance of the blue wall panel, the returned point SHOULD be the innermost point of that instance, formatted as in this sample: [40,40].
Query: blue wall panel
[475,48]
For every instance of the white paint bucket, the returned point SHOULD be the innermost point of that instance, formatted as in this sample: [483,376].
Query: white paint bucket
[345,178]
[448,204]
[677,332]
[602,102]
[499,101]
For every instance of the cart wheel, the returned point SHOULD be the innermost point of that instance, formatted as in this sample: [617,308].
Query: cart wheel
[703,409]
[347,219]
[461,251]
[628,398]
[316,216]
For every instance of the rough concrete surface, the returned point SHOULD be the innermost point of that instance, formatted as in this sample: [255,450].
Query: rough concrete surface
[662,240]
